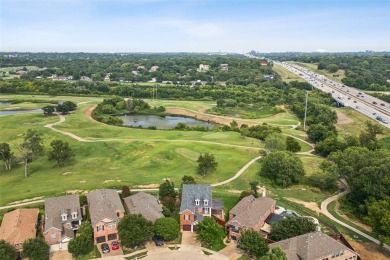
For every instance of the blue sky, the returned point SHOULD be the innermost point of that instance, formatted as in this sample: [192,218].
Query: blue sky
[194,25]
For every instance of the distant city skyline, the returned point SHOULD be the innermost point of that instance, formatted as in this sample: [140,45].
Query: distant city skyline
[194,25]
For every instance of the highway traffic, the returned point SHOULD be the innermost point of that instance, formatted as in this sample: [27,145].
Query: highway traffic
[347,96]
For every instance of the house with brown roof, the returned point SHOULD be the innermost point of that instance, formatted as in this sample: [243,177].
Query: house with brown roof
[62,218]
[315,245]
[18,226]
[249,213]
[196,203]
[144,204]
[106,210]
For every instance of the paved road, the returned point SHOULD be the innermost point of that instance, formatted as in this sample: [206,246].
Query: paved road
[348,96]
[324,209]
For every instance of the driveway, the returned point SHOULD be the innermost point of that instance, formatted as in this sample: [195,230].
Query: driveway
[188,238]
[231,251]
[112,252]
[61,255]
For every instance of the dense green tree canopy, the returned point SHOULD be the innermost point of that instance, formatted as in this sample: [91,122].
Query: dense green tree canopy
[83,243]
[6,155]
[60,152]
[291,227]
[134,230]
[208,230]
[36,249]
[283,168]
[274,253]
[206,164]
[168,228]
[7,251]
[253,243]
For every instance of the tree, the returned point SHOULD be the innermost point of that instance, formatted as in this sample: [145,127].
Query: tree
[368,136]
[66,107]
[253,243]
[7,251]
[254,188]
[25,154]
[332,68]
[48,110]
[275,253]
[378,218]
[275,142]
[134,230]
[187,180]
[6,155]
[36,249]
[206,164]
[83,243]
[291,227]
[126,191]
[167,189]
[292,145]
[168,228]
[283,168]
[60,152]
[319,132]
[166,211]
[234,125]
[208,231]
[35,141]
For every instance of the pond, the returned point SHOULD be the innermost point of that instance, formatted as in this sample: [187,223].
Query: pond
[15,112]
[161,122]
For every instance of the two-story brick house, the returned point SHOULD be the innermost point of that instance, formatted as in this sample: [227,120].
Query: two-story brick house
[315,245]
[249,213]
[196,202]
[62,218]
[106,210]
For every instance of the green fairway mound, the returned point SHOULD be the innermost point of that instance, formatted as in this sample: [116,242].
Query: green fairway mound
[189,154]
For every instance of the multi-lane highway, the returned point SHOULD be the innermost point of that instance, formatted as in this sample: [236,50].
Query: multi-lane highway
[354,98]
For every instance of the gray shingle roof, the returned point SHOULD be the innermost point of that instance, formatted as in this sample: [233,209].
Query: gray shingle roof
[218,204]
[191,192]
[250,210]
[103,204]
[314,245]
[144,204]
[54,207]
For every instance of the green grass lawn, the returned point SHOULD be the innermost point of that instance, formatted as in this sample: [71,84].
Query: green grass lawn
[11,76]
[23,106]
[286,75]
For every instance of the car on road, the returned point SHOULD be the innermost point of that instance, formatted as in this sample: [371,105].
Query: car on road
[374,113]
[354,101]
[382,104]
[159,241]
[357,107]
[105,248]
[374,103]
[115,245]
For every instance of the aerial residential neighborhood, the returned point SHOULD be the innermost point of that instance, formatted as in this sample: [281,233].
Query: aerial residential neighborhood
[195,130]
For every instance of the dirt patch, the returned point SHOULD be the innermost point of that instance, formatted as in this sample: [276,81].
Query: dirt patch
[368,228]
[310,205]
[108,181]
[74,191]
[66,173]
[82,181]
[149,186]
[25,200]
[88,113]
[368,250]
[342,119]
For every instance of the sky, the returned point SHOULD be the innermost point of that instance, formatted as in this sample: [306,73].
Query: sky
[194,25]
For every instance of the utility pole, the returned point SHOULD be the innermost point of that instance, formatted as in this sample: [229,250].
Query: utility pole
[304,120]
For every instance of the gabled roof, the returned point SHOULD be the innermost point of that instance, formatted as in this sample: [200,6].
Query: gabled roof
[19,225]
[144,204]
[192,192]
[314,245]
[55,207]
[104,203]
[250,210]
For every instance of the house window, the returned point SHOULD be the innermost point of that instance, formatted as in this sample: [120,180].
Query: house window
[206,210]
[53,236]
[64,217]
[197,202]
[100,228]
[186,217]
[117,214]
[206,202]
[74,215]
[111,226]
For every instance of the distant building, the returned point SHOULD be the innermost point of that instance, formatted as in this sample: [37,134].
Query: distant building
[85,78]
[314,245]
[107,77]
[154,68]
[224,67]
[203,68]
[18,226]
[264,63]
[268,77]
